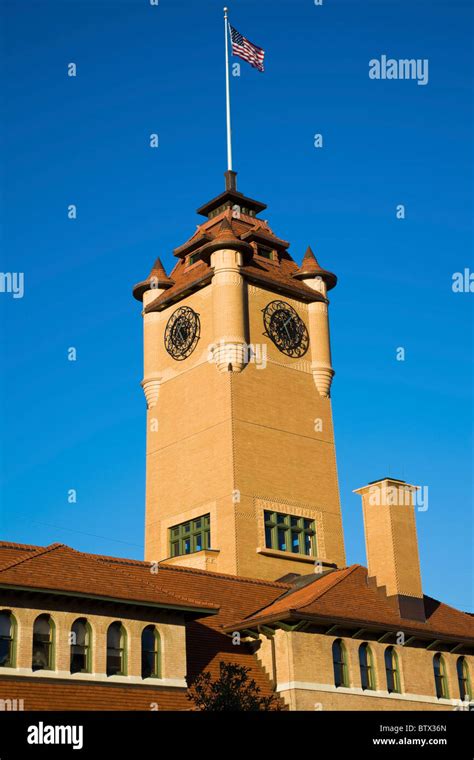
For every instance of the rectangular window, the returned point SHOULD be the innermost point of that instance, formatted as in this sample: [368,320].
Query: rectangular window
[266,253]
[290,534]
[191,536]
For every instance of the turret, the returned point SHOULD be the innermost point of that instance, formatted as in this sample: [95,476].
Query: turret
[147,291]
[320,280]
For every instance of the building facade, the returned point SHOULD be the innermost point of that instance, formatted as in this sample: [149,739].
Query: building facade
[244,551]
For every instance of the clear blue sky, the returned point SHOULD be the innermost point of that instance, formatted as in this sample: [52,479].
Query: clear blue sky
[144,69]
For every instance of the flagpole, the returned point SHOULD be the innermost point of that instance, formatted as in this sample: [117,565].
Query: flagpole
[227,92]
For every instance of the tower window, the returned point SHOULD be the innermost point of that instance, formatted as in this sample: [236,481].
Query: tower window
[288,533]
[7,639]
[441,680]
[465,691]
[391,671]
[191,536]
[367,671]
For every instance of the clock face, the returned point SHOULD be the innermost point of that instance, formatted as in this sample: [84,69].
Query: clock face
[182,333]
[286,329]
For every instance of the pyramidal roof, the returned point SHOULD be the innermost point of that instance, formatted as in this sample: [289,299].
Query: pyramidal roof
[232,219]
[156,279]
[310,268]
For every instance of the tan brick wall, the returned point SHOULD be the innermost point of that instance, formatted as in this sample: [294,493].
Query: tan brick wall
[306,658]
[228,443]
[391,538]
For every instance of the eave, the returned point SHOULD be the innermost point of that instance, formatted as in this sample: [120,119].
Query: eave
[112,599]
[366,626]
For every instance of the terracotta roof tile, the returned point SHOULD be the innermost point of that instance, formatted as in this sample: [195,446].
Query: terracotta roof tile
[348,595]
[156,279]
[58,567]
[281,275]
[311,268]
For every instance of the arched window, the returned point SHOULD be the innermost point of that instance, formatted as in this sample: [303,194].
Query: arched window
[150,652]
[391,671]
[463,678]
[7,639]
[367,673]
[441,680]
[339,659]
[80,641]
[116,650]
[43,643]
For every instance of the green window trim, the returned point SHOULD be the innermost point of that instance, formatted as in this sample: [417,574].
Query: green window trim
[264,252]
[367,669]
[440,676]
[11,640]
[339,658]
[191,536]
[392,671]
[289,533]
[121,650]
[464,680]
[39,644]
[87,647]
[153,655]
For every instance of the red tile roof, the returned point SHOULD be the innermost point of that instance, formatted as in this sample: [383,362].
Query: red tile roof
[61,569]
[280,275]
[348,595]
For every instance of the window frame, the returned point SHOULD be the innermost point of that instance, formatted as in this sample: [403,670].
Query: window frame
[51,643]
[156,673]
[440,676]
[122,649]
[340,664]
[178,535]
[87,646]
[276,522]
[464,678]
[12,639]
[392,670]
[367,668]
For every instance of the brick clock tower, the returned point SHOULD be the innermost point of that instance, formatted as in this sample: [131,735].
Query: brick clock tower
[241,471]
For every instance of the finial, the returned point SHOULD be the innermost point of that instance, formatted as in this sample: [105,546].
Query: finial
[230,180]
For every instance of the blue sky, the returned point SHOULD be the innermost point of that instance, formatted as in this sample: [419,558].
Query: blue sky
[85,141]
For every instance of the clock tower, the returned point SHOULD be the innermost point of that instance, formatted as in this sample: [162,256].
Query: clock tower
[241,470]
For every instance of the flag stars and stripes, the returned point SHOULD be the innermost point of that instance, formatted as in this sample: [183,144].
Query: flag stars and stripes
[246,50]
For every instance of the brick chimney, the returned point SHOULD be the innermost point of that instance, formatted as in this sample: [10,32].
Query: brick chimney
[391,543]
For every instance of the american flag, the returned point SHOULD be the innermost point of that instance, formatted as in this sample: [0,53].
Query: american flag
[246,50]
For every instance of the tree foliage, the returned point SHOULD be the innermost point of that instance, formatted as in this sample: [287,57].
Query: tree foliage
[234,690]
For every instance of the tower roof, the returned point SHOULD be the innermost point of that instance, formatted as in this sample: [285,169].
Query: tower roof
[310,268]
[156,279]
[233,223]
[229,198]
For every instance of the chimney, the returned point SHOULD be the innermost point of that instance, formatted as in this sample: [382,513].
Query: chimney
[391,543]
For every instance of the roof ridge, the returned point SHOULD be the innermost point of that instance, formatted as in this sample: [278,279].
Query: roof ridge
[226,576]
[16,545]
[33,555]
[193,570]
